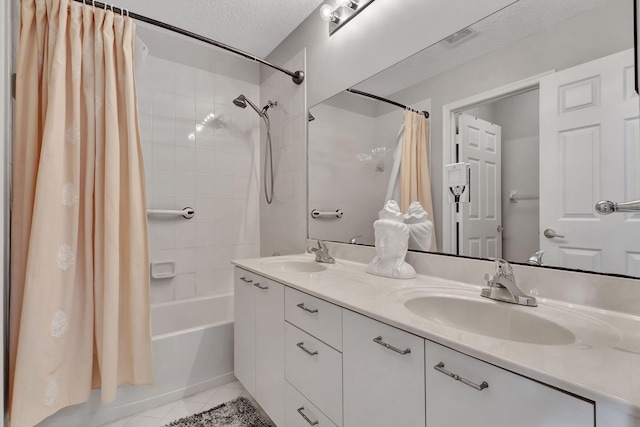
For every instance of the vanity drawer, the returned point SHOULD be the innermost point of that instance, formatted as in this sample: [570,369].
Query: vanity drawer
[508,399]
[315,369]
[298,407]
[319,318]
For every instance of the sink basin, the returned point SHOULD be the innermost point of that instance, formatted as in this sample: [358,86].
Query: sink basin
[294,266]
[490,318]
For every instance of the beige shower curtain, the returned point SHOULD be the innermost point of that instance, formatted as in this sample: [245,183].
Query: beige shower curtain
[415,183]
[79,307]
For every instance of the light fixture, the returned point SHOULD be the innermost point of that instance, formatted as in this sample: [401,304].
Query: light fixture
[343,12]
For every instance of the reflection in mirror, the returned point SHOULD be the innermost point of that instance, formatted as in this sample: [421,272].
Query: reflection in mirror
[537,101]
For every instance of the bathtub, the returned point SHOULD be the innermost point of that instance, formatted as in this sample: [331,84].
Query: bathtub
[192,352]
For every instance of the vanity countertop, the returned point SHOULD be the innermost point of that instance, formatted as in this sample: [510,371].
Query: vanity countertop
[606,371]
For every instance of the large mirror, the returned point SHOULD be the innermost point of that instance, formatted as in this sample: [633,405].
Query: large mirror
[533,119]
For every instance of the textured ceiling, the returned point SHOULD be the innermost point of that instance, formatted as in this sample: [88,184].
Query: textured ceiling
[255,26]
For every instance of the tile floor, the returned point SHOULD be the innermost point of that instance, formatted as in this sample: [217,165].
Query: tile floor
[200,402]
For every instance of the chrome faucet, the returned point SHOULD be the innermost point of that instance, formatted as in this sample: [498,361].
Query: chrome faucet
[354,239]
[322,253]
[502,286]
[536,258]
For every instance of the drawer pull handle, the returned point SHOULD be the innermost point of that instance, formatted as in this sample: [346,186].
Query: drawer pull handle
[440,368]
[390,347]
[302,347]
[245,280]
[308,310]
[257,285]
[311,423]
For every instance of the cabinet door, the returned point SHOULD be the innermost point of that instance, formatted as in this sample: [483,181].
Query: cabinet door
[508,400]
[244,330]
[383,385]
[270,384]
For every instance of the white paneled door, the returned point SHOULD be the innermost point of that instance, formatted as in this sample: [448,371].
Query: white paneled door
[480,221]
[590,151]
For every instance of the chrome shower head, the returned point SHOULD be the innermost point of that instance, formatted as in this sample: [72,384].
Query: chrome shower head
[242,101]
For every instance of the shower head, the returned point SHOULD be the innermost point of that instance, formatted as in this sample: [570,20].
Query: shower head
[242,101]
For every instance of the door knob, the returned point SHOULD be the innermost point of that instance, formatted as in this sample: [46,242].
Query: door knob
[550,234]
[499,229]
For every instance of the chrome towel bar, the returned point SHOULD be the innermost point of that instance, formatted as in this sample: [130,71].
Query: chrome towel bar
[187,212]
[315,214]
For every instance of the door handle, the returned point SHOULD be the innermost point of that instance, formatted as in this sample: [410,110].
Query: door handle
[606,207]
[550,234]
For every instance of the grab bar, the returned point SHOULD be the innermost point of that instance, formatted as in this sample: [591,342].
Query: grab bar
[606,207]
[315,214]
[187,212]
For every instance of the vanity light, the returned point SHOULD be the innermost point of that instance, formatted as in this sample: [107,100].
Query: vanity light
[343,12]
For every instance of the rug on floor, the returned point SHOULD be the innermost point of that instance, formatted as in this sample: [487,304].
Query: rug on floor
[238,412]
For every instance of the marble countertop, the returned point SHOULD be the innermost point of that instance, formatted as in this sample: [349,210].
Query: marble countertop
[603,364]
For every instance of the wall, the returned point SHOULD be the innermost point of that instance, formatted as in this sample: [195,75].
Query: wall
[381,35]
[283,223]
[200,151]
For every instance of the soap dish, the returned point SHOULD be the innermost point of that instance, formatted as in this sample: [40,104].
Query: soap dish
[163,270]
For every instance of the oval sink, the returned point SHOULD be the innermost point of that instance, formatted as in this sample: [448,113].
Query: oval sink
[490,318]
[291,266]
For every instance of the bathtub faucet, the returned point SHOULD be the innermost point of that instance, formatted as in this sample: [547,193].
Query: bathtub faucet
[322,253]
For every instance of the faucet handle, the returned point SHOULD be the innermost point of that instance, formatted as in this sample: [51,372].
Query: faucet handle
[322,245]
[503,268]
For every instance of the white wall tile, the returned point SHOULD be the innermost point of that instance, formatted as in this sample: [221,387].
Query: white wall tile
[163,104]
[162,130]
[185,134]
[200,151]
[185,81]
[163,158]
[184,108]
[185,286]
[185,159]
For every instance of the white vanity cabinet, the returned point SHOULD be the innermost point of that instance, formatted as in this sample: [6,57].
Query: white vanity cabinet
[259,341]
[383,374]
[463,391]
[313,337]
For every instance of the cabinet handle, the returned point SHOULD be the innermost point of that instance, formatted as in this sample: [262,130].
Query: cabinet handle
[440,368]
[301,305]
[311,423]
[390,347]
[257,285]
[245,280]
[302,347]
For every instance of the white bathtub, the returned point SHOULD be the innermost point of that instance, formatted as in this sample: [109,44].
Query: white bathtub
[192,352]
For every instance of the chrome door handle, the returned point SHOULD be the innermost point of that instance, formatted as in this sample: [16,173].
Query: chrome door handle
[244,279]
[311,423]
[257,285]
[550,234]
[378,340]
[440,368]
[606,207]
[303,348]
[308,310]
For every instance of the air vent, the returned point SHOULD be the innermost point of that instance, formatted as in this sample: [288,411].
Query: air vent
[456,38]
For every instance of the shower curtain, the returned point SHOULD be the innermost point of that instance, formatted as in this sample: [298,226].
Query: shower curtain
[79,306]
[415,183]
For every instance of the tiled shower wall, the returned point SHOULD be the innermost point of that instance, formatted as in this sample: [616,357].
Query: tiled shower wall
[200,151]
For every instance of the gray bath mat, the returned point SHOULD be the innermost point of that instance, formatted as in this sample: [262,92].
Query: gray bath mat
[238,412]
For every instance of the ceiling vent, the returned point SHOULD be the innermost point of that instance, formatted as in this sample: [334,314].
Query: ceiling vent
[459,36]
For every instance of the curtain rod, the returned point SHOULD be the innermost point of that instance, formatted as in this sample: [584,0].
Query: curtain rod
[297,76]
[388,101]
